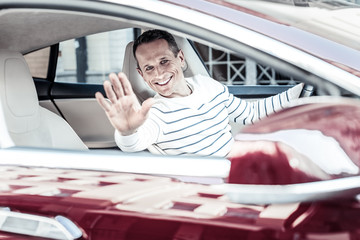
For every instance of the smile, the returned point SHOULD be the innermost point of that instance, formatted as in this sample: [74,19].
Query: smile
[164,82]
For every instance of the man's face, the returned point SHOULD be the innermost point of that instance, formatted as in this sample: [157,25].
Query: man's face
[160,69]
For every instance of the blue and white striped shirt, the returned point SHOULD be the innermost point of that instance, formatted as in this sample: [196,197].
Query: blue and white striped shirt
[199,123]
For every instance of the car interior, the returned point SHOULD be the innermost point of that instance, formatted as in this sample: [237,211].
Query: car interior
[28,123]
[40,111]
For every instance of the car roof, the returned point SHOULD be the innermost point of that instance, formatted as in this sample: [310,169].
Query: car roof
[334,20]
[24,29]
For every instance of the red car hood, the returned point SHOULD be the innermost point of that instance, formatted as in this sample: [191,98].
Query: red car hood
[107,205]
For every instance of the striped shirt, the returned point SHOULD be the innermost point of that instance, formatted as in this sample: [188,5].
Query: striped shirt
[198,124]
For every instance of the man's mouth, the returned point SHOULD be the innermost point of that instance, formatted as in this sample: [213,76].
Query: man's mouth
[164,82]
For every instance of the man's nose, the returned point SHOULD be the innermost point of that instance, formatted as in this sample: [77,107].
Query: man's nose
[158,71]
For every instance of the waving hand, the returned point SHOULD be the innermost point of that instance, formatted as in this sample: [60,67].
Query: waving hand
[123,111]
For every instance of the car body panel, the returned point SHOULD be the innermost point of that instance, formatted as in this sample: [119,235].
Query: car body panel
[113,205]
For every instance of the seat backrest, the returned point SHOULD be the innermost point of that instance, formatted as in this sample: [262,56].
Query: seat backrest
[27,122]
[5,139]
[192,67]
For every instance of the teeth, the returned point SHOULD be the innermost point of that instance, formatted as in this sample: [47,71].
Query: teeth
[164,82]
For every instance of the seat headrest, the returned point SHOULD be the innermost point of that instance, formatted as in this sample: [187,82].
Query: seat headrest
[18,93]
[140,87]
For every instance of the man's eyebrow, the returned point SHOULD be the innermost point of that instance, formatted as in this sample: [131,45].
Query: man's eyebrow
[165,58]
[146,65]
[159,59]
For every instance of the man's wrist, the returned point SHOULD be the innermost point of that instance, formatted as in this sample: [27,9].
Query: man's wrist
[126,140]
[127,133]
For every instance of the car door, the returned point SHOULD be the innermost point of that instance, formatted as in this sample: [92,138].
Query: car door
[61,92]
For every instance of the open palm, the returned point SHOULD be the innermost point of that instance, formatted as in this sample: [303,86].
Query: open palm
[123,110]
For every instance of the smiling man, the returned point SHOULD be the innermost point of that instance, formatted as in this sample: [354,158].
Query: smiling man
[187,115]
[160,63]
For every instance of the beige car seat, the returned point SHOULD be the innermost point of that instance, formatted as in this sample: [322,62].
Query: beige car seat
[28,123]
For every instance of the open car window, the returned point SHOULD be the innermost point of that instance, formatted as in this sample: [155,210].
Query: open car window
[91,58]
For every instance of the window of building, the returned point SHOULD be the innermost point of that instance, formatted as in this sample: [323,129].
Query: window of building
[38,62]
[231,69]
[90,59]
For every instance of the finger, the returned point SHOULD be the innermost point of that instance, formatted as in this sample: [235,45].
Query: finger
[146,106]
[116,84]
[102,102]
[125,84]
[110,91]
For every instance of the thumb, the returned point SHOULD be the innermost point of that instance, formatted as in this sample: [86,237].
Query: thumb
[146,105]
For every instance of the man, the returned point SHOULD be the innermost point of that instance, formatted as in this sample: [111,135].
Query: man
[187,115]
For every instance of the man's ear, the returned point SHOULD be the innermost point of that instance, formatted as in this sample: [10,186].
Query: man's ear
[140,72]
[181,58]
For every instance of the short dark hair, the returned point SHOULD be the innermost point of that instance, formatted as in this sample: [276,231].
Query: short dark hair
[153,35]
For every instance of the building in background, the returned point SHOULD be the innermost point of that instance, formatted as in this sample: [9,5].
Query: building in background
[92,58]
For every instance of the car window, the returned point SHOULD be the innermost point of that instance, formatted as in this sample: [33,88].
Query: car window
[231,69]
[90,59]
[38,62]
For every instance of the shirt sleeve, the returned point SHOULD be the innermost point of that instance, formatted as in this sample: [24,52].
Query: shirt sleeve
[248,112]
[146,135]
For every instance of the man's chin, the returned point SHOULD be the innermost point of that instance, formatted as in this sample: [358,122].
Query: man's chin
[165,95]
[163,92]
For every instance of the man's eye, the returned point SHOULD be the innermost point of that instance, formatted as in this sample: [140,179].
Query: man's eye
[164,62]
[148,68]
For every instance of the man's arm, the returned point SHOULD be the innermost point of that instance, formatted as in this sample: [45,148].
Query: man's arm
[146,135]
[248,112]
